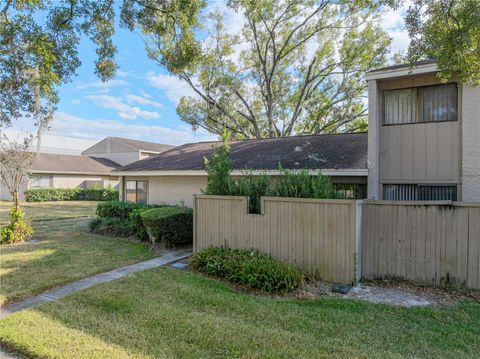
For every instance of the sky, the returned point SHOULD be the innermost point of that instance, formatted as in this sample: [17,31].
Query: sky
[140,101]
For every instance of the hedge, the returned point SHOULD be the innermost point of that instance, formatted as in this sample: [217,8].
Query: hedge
[170,226]
[111,226]
[121,209]
[70,194]
[248,268]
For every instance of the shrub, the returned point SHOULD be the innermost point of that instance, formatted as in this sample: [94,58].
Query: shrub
[301,184]
[253,186]
[248,268]
[135,218]
[70,194]
[17,230]
[218,168]
[111,226]
[121,209]
[170,226]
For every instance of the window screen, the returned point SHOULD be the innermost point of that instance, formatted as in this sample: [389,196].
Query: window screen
[414,192]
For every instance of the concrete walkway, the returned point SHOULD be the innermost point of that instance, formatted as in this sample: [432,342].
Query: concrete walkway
[57,293]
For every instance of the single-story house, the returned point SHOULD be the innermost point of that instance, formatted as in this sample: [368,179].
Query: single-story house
[92,168]
[174,175]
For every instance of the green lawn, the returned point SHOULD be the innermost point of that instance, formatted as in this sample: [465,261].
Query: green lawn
[166,313]
[42,211]
[65,252]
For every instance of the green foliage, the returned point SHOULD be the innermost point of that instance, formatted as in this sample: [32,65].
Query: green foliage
[121,209]
[254,187]
[247,268]
[301,184]
[111,226]
[289,183]
[17,230]
[170,226]
[218,168]
[135,218]
[70,194]
[448,31]
[40,39]
[301,69]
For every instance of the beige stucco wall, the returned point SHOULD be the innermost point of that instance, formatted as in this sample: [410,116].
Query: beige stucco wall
[471,144]
[73,181]
[180,189]
[173,189]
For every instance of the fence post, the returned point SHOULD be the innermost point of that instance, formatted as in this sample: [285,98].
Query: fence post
[195,223]
[358,241]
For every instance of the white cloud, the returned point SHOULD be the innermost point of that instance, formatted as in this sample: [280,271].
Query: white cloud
[123,110]
[99,85]
[173,87]
[144,99]
[393,22]
[75,101]
[68,125]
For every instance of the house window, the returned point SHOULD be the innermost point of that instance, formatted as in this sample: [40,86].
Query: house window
[136,191]
[40,181]
[420,104]
[415,192]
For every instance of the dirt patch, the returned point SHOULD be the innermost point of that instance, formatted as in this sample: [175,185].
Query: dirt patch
[392,292]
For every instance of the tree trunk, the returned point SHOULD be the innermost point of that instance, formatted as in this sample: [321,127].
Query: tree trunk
[16,201]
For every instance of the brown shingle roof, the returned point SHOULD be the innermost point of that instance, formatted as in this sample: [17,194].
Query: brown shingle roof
[144,145]
[337,151]
[49,162]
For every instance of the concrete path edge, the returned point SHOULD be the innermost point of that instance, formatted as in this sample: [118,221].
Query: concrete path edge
[54,294]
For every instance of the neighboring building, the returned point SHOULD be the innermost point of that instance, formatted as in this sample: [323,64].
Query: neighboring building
[123,150]
[91,169]
[175,175]
[68,171]
[424,136]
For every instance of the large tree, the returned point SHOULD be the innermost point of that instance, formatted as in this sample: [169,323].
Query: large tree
[39,43]
[448,31]
[301,69]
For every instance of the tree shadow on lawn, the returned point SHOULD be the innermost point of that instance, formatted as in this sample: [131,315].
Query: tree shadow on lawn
[170,313]
[61,257]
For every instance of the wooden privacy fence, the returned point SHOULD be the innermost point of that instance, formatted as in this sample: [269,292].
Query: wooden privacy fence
[429,242]
[318,236]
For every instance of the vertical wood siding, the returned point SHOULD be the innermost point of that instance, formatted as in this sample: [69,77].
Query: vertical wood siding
[317,236]
[422,241]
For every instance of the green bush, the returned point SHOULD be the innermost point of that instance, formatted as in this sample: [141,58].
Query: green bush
[135,218]
[247,268]
[70,194]
[289,183]
[120,209]
[17,230]
[111,226]
[170,226]
[253,186]
[219,168]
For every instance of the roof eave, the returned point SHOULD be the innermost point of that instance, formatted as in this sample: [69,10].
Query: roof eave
[402,72]
[326,171]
